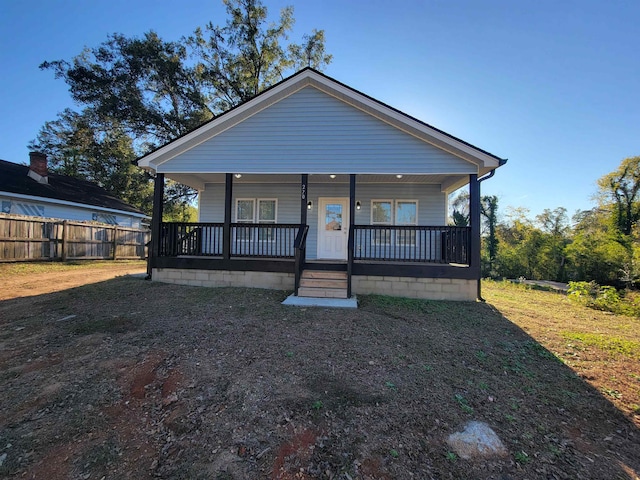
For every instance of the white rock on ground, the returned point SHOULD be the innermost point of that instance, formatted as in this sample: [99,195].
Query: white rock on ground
[477,440]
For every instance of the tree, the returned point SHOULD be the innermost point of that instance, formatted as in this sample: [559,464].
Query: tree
[239,60]
[554,225]
[489,210]
[619,191]
[460,209]
[594,253]
[101,153]
[151,91]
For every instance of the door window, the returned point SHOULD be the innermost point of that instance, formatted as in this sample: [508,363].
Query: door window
[333,217]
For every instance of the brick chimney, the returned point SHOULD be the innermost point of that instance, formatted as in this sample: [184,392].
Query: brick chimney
[38,167]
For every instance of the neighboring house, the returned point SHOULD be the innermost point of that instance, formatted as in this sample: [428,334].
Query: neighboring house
[316,187]
[33,191]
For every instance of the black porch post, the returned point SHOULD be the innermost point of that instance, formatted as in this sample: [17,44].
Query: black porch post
[474,222]
[352,222]
[226,229]
[304,198]
[156,221]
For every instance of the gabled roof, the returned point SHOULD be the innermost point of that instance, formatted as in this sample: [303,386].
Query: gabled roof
[484,160]
[14,180]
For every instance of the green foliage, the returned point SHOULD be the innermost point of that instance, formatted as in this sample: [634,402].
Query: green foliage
[619,193]
[605,298]
[137,93]
[452,457]
[464,405]
[179,212]
[83,146]
[597,252]
[521,457]
[609,343]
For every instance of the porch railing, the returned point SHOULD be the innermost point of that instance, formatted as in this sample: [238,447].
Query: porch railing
[263,240]
[375,243]
[247,240]
[201,239]
[411,243]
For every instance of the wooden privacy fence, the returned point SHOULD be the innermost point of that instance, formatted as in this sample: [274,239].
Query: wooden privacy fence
[31,238]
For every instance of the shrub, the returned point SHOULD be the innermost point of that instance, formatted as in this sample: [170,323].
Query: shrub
[605,298]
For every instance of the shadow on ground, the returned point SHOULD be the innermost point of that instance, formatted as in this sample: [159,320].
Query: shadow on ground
[135,379]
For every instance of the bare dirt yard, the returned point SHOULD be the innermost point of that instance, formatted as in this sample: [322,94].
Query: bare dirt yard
[131,379]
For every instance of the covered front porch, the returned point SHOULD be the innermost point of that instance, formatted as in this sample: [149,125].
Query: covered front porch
[348,254]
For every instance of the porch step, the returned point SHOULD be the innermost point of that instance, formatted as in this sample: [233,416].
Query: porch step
[323,284]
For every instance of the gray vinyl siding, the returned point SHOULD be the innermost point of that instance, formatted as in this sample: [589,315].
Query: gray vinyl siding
[46,208]
[431,202]
[313,132]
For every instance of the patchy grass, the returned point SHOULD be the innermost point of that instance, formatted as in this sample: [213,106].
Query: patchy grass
[31,268]
[600,347]
[606,343]
[134,379]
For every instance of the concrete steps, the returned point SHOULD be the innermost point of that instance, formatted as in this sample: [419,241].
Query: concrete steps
[323,284]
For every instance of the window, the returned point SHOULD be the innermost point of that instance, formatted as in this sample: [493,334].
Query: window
[406,214]
[266,214]
[394,212]
[104,218]
[381,214]
[19,208]
[255,210]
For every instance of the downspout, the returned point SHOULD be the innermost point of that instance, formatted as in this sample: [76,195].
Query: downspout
[486,177]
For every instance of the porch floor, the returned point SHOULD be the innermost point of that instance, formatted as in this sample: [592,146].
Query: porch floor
[321,302]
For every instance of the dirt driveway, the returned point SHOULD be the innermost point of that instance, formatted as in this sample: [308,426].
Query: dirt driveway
[54,280]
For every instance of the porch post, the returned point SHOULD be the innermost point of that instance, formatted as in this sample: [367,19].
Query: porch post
[304,198]
[474,223]
[226,228]
[352,222]
[156,221]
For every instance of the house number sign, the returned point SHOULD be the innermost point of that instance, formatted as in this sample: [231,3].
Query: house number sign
[304,191]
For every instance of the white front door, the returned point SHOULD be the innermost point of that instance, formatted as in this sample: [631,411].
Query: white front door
[333,228]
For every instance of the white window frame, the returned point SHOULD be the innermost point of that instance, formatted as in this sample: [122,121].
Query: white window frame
[255,217]
[382,237]
[401,242]
[394,222]
[269,237]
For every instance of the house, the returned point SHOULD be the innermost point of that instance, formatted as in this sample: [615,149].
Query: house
[316,187]
[34,191]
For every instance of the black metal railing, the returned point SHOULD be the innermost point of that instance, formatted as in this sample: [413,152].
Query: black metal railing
[300,247]
[263,240]
[201,239]
[378,243]
[247,240]
[412,243]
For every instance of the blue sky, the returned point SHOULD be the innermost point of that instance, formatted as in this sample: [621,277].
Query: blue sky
[554,86]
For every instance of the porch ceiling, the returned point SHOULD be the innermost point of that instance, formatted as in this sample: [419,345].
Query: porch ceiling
[197,181]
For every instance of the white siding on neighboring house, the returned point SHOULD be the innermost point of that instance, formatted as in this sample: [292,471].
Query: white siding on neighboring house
[50,209]
[431,202]
[313,132]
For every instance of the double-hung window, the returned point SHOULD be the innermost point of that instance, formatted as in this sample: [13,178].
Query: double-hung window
[381,214]
[406,214]
[252,211]
[394,212]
